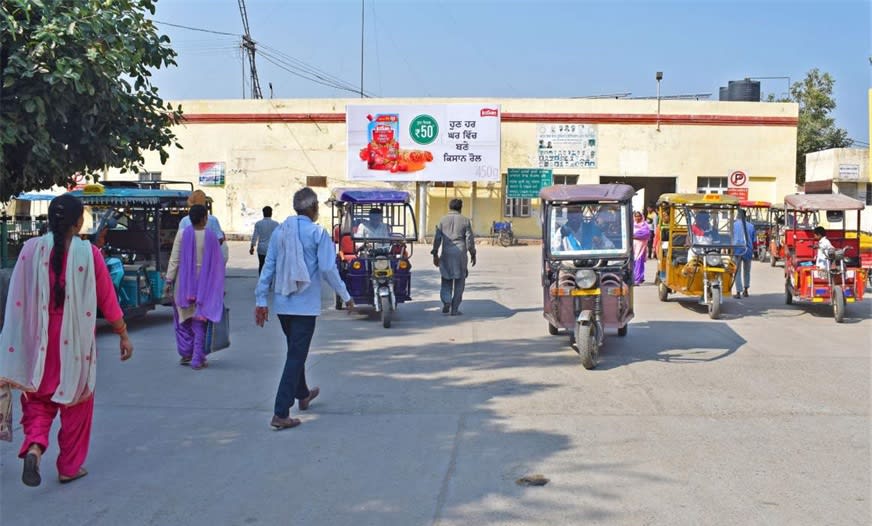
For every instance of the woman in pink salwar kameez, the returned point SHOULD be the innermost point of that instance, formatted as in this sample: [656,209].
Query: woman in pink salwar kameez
[641,233]
[48,340]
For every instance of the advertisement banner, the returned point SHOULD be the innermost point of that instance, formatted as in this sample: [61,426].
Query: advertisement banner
[566,145]
[434,142]
[212,174]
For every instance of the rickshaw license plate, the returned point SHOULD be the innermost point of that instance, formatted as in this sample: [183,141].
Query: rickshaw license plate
[589,292]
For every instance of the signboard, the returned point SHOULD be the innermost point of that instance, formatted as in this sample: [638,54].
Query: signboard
[737,184]
[525,183]
[849,172]
[434,142]
[212,174]
[566,145]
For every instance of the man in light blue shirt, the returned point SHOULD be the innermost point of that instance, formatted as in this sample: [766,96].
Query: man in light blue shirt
[263,231]
[298,311]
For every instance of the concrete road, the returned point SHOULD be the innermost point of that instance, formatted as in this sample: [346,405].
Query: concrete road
[761,418]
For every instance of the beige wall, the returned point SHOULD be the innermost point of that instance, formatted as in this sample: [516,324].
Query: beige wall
[824,165]
[267,162]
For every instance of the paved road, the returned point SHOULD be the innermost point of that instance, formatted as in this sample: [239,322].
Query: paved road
[762,418]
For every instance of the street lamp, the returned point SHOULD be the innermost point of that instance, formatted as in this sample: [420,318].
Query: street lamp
[659,78]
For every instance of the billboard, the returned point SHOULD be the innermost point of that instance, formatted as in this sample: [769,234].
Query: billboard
[433,142]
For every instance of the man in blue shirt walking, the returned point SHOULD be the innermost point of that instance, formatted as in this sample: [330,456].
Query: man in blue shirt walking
[263,231]
[744,254]
[300,254]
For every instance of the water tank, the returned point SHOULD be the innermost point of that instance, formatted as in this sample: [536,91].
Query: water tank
[724,93]
[744,90]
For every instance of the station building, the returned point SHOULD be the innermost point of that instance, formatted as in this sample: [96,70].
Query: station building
[268,149]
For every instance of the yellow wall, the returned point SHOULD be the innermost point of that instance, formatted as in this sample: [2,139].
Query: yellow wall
[267,162]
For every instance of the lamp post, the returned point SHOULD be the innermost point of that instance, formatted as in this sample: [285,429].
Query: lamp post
[659,77]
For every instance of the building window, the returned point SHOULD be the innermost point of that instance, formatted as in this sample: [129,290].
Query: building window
[565,179]
[517,208]
[711,185]
[149,176]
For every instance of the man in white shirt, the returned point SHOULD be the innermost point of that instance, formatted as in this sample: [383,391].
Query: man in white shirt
[374,227]
[824,245]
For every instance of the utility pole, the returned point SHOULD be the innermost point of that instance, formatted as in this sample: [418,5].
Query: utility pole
[250,46]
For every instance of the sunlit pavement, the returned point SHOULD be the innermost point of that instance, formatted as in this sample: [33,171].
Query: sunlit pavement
[760,418]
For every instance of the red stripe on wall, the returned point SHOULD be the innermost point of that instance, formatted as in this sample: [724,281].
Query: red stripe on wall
[588,118]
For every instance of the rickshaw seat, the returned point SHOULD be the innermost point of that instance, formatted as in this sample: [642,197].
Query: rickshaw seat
[346,246]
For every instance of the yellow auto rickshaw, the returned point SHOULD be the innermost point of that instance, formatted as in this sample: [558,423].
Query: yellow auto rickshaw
[699,234]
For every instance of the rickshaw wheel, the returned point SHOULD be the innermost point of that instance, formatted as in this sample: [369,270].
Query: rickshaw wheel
[838,304]
[338,301]
[662,291]
[552,330]
[586,343]
[505,239]
[788,297]
[386,311]
[622,331]
[715,305]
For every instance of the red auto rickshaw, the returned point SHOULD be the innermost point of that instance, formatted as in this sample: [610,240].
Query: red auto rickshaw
[833,276]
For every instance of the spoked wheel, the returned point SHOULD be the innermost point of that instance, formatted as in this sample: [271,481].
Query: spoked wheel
[552,330]
[387,311]
[838,304]
[714,307]
[662,291]
[586,343]
[788,294]
[505,239]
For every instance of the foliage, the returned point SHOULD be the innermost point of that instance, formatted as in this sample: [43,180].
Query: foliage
[816,130]
[75,90]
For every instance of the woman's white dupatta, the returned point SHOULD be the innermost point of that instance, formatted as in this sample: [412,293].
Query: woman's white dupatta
[24,340]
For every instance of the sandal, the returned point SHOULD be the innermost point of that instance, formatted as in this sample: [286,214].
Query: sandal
[66,480]
[201,366]
[30,476]
[185,360]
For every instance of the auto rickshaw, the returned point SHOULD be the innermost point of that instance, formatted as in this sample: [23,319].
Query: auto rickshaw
[834,277]
[699,235]
[375,231]
[587,263]
[757,213]
[134,226]
[776,234]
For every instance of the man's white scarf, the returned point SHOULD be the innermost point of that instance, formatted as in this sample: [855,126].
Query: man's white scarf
[24,340]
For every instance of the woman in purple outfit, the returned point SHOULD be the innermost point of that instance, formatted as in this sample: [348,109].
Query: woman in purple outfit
[196,267]
[641,233]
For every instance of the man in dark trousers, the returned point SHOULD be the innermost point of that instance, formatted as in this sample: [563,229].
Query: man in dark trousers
[300,254]
[454,235]
[263,230]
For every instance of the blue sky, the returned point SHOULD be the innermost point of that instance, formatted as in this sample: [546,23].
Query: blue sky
[529,48]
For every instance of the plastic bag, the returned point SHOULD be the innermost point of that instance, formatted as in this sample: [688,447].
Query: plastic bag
[6,412]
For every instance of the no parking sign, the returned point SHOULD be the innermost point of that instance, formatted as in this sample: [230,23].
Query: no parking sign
[737,184]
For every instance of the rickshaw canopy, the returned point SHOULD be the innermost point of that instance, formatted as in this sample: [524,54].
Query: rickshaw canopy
[698,199]
[131,196]
[818,202]
[370,196]
[587,192]
[755,204]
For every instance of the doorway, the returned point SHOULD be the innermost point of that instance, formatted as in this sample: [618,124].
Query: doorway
[653,187]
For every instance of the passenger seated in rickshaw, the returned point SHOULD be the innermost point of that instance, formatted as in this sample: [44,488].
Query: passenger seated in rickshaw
[579,233]
[824,246]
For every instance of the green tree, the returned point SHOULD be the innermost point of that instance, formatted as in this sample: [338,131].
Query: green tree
[75,90]
[817,129]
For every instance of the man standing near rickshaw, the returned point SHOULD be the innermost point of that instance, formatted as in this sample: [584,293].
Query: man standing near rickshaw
[454,235]
[743,255]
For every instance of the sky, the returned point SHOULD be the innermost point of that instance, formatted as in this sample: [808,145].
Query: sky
[523,48]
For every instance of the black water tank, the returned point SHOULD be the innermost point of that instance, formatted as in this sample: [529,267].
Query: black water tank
[724,94]
[744,90]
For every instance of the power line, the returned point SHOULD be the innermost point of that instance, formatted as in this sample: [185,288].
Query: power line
[197,29]
[299,65]
[290,68]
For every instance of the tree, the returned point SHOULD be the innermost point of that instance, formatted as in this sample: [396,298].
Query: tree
[816,130]
[75,90]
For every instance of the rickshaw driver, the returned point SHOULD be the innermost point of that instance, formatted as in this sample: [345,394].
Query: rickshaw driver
[580,234]
[375,228]
[824,246]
